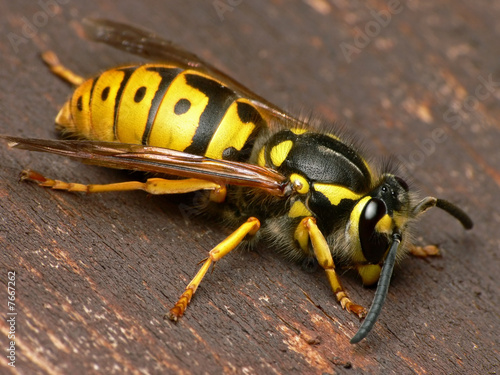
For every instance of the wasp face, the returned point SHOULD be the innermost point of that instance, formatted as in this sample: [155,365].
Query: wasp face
[385,212]
[334,184]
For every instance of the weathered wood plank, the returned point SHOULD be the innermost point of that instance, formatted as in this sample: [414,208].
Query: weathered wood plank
[96,273]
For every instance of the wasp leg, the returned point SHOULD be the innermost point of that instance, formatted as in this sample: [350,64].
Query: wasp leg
[251,226]
[50,58]
[424,251]
[153,186]
[308,228]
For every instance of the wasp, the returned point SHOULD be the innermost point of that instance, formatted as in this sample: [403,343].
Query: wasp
[270,175]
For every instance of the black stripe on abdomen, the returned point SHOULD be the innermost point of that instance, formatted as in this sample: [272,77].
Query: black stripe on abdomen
[219,100]
[167,76]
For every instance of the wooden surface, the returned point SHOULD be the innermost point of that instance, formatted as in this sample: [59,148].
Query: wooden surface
[95,274]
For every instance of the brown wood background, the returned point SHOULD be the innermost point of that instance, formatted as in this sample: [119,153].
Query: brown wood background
[95,274]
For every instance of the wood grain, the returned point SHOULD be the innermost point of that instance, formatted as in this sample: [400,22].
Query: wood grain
[95,274]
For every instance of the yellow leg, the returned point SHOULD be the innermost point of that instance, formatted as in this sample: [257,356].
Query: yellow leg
[58,69]
[251,226]
[325,260]
[152,186]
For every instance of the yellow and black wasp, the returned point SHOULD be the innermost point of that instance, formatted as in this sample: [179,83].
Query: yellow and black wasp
[267,173]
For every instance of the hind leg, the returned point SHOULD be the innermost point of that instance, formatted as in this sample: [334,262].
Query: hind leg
[59,70]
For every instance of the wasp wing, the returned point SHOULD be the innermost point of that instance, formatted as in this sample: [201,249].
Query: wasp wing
[158,160]
[147,44]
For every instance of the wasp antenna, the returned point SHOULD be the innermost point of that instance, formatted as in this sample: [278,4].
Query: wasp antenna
[456,212]
[424,205]
[380,293]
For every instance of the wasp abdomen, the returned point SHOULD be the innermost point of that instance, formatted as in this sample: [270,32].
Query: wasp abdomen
[164,106]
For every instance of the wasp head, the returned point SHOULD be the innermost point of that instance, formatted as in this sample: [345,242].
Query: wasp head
[384,211]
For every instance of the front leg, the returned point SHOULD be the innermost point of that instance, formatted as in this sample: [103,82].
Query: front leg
[250,227]
[308,230]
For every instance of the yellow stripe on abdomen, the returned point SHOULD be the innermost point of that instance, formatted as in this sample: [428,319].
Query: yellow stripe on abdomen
[234,131]
[135,103]
[80,110]
[102,107]
[178,116]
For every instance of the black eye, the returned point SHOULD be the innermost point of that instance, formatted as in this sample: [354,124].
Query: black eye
[373,212]
[373,244]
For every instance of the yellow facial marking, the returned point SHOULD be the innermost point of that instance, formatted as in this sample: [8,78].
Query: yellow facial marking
[280,152]
[298,209]
[369,273]
[299,183]
[399,219]
[335,193]
[384,225]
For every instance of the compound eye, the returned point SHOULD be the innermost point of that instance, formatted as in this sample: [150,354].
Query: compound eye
[373,244]
[374,210]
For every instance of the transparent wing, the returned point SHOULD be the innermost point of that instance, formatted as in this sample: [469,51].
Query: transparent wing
[147,44]
[158,160]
